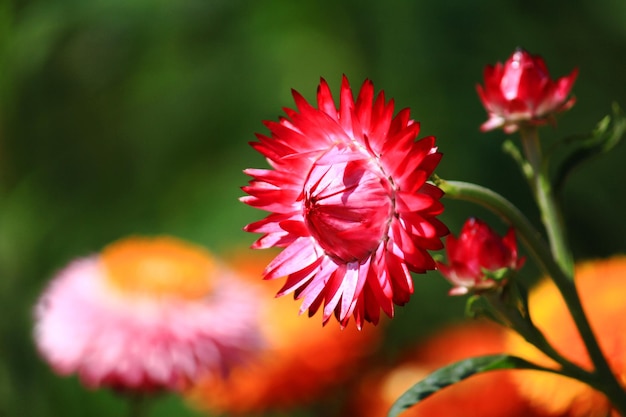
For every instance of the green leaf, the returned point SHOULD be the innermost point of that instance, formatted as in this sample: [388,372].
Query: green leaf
[454,373]
[608,133]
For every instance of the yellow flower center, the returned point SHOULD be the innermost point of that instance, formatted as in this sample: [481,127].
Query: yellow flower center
[162,266]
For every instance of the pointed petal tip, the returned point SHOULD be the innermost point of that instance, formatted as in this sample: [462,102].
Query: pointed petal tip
[458,291]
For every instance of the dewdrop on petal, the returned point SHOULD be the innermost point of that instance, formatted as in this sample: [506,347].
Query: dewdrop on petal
[146,314]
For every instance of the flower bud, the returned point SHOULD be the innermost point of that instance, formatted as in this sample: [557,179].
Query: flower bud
[479,258]
[522,92]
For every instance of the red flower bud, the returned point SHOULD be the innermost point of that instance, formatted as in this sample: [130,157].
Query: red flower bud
[478,256]
[522,92]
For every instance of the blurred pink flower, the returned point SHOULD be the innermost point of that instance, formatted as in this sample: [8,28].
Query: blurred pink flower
[476,253]
[349,201]
[146,314]
[522,92]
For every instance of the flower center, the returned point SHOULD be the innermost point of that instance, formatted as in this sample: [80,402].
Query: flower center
[348,203]
[160,267]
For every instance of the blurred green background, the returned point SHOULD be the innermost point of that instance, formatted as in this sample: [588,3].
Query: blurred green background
[123,117]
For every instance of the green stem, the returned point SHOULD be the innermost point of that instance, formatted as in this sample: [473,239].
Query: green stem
[520,321]
[550,213]
[553,223]
[604,379]
[524,326]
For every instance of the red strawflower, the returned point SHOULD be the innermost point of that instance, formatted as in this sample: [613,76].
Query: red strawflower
[477,255]
[349,201]
[522,92]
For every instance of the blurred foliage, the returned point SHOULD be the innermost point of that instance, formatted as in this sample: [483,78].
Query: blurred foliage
[133,117]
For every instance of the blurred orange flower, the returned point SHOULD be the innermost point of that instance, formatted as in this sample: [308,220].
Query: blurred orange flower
[302,362]
[601,285]
[485,395]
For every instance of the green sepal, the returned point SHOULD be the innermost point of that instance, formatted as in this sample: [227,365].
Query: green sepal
[498,274]
[477,306]
[607,134]
[457,372]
